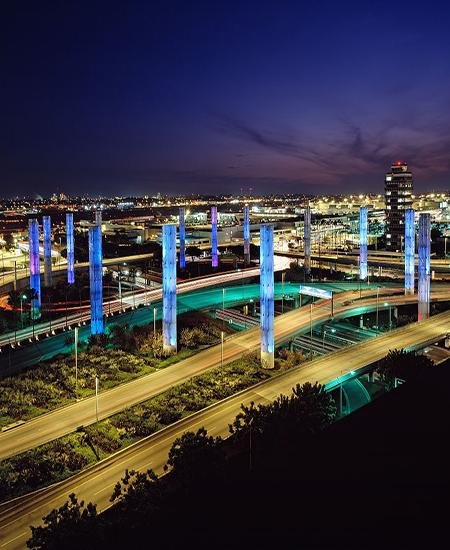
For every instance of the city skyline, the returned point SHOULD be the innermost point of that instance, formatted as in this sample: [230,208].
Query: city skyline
[220,98]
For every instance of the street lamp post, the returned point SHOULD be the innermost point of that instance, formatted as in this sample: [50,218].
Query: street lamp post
[76,363]
[323,341]
[378,288]
[96,398]
[154,321]
[282,291]
[221,349]
[310,323]
[223,308]
[385,305]
[22,297]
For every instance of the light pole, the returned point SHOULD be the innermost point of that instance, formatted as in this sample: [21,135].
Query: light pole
[22,297]
[76,363]
[154,321]
[323,341]
[96,398]
[310,324]
[378,288]
[223,308]
[282,292]
[385,305]
[221,349]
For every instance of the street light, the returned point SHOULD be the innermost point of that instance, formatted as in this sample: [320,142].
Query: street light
[323,341]
[385,305]
[96,398]
[221,349]
[223,308]
[310,323]
[378,288]
[154,321]
[282,292]
[22,297]
[76,363]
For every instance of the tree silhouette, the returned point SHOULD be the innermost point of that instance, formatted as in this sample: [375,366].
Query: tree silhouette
[402,364]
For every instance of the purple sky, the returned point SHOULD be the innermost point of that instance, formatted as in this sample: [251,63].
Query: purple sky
[208,97]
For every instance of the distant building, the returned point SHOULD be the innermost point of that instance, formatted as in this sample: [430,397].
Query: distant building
[398,188]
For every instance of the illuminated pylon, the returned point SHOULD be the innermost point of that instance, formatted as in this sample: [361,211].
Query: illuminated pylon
[363,243]
[307,239]
[246,236]
[47,239]
[410,245]
[95,277]
[169,290]
[70,249]
[35,267]
[215,260]
[182,231]
[266,296]
[423,284]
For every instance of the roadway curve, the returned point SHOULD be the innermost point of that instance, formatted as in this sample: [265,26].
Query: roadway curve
[96,484]
[67,419]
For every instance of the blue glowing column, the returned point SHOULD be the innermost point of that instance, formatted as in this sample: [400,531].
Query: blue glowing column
[266,296]
[410,241]
[95,276]
[47,238]
[70,249]
[35,268]
[246,237]
[182,239]
[307,238]
[169,289]
[98,217]
[363,243]
[424,267]
[215,261]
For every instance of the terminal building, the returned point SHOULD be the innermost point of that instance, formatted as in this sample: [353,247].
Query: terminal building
[398,189]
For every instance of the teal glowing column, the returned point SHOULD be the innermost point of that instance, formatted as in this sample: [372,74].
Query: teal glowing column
[182,239]
[98,217]
[363,243]
[246,236]
[215,261]
[169,290]
[410,242]
[424,267]
[95,277]
[47,239]
[307,239]
[266,296]
[70,249]
[35,268]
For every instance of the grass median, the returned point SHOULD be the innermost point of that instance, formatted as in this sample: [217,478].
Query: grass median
[70,454]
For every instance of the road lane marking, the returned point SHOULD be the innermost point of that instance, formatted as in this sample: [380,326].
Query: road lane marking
[104,488]
[12,540]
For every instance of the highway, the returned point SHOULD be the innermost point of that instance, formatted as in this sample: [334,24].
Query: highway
[117,305]
[65,420]
[23,273]
[13,360]
[372,260]
[96,484]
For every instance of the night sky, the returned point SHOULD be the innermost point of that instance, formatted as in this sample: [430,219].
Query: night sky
[208,97]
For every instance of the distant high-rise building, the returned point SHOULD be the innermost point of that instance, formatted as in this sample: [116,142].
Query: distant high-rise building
[398,188]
